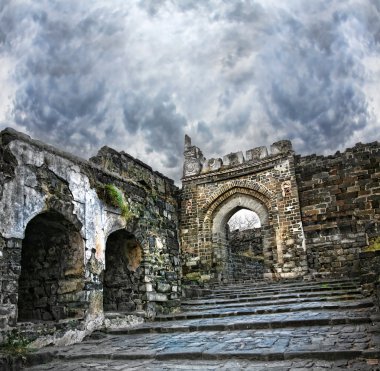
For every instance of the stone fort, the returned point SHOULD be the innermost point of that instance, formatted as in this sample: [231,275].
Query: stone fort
[80,238]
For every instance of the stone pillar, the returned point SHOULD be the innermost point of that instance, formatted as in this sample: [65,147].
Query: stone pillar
[10,268]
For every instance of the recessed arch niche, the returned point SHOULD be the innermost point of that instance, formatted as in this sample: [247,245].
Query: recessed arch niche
[123,273]
[52,270]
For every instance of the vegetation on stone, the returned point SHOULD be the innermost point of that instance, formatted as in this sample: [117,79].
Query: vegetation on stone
[16,344]
[193,276]
[374,245]
[116,198]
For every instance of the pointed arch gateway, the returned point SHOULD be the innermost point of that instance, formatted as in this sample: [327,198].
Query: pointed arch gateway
[225,264]
[213,189]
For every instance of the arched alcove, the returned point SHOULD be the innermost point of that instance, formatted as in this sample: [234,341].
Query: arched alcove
[123,272]
[52,270]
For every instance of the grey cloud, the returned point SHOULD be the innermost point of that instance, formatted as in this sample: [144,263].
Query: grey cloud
[316,81]
[137,76]
[204,131]
[164,130]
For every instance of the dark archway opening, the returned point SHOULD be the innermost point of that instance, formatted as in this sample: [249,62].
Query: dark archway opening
[52,270]
[123,274]
[245,245]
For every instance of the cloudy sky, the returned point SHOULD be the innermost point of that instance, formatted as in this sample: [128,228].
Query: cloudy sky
[138,75]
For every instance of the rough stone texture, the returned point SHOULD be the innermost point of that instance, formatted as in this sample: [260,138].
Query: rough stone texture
[287,325]
[68,251]
[340,198]
[51,284]
[54,228]
[245,253]
[370,274]
[121,281]
[246,242]
[263,184]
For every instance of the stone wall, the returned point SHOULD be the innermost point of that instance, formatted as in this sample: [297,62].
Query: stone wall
[158,210]
[245,252]
[370,274]
[57,216]
[79,237]
[245,267]
[340,198]
[248,242]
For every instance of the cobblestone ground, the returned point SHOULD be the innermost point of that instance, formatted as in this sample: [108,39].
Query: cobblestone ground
[234,364]
[312,334]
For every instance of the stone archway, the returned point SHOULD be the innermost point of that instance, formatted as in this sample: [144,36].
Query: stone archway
[51,282]
[222,260]
[123,275]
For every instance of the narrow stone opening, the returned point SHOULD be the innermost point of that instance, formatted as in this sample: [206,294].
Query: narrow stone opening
[123,273]
[52,270]
[245,245]
[244,219]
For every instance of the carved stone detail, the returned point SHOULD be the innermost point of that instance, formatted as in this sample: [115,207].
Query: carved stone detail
[212,164]
[193,159]
[286,188]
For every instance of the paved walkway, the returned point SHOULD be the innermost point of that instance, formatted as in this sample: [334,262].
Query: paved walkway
[293,332]
[234,364]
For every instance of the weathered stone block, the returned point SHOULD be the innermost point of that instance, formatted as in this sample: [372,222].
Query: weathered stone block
[233,159]
[154,296]
[282,146]
[256,154]
[213,164]
[163,287]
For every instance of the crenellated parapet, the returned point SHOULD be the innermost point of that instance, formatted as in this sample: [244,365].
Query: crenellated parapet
[195,163]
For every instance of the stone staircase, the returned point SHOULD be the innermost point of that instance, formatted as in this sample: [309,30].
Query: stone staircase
[253,325]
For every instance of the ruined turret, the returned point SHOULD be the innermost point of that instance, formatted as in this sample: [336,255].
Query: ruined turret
[194,159]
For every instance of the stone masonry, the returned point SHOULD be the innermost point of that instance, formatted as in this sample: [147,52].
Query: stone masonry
[245,254]
[213,190]
[318,213]
[340,206]
[83,242]
[66,248]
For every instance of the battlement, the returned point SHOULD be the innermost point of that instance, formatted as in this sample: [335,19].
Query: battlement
[195,163]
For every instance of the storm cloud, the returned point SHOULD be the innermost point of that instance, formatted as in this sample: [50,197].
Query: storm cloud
[138,75]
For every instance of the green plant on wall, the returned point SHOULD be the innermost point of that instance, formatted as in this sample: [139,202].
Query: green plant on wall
[116,198]
[374,244]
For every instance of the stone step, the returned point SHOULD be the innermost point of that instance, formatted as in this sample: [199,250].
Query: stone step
[308,340]
[230,363]
[229,312]
[316,342]
[221,290]
[151,363]
[280,325]
[258,297]
[287,283]
[265,308]
[257,302]
[248,290]
[300,318]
